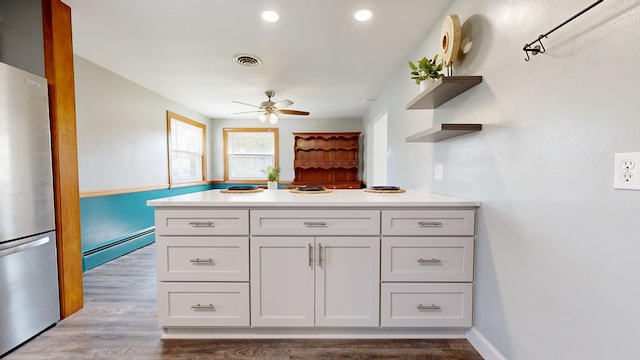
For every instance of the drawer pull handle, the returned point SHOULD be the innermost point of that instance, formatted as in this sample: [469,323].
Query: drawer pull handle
[202,224]
[428,307]
[429,224]
[429,261]
[315,224]
[203,307]
[203,261]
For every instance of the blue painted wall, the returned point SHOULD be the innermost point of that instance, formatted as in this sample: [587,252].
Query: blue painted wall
[107,220]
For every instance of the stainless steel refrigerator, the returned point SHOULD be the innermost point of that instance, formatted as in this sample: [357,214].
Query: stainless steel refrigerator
[29,300]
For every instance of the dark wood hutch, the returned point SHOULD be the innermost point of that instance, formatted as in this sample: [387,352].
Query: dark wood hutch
[330,159]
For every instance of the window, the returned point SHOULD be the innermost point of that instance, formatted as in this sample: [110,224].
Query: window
[187,157]
[248,152]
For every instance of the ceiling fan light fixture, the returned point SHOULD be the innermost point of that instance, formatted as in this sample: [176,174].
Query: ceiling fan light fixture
[270,109]
[273,118]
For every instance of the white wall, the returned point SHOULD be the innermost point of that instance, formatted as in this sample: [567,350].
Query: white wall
[122,130]
[286,126]
[557,252]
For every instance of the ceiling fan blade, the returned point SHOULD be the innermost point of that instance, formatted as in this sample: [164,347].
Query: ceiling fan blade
[293,112]
[283,104]
[244,103]
[247,112]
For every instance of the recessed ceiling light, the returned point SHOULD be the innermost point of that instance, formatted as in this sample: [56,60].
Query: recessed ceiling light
[270,16]
[363,15]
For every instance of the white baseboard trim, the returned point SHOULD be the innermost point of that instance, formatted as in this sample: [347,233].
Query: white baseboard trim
[483,346]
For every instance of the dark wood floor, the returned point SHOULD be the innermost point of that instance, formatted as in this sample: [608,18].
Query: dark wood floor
[119,321]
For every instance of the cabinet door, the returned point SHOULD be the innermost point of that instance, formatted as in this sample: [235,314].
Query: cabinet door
[428,222]
[347,281]
[282,281]
[443,259]
[205,304]
[202,258]
[206,222]
[315,222]
[427,305]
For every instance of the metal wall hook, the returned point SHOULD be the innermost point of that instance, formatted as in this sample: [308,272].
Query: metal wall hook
[534,50]
[539,49]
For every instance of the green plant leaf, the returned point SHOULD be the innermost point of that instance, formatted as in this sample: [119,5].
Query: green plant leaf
[426,68]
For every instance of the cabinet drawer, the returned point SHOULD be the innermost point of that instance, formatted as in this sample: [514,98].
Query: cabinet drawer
[203,304]
[202,258]
[202,222]
[315,222]
[427,305]
[428,222]
[427,259]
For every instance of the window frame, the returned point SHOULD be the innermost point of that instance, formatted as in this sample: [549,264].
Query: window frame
[225,136]
[170,150]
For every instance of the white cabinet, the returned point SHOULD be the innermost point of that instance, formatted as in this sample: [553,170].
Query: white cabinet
[345,264]
[207,304]
[428,222]
[202,258]
[201,222]
[348,282]
[315,222]
[420,305]
[315,281]
[436,259]
[202,261]
[427,268]
[282,281]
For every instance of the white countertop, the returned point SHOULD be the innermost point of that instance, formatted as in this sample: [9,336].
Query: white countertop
[336,198]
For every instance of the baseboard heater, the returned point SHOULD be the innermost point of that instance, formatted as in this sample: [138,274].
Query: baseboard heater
[111,250]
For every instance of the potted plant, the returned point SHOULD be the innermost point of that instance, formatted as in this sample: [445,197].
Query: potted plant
[273,174]
[425,71]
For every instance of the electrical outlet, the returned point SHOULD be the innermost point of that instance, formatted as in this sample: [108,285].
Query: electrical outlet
[438,172]
[626,171]
[627,164]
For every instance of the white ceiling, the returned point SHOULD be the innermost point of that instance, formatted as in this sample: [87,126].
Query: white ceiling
[317,55]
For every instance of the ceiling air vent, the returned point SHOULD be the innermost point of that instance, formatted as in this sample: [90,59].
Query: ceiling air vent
[248,60]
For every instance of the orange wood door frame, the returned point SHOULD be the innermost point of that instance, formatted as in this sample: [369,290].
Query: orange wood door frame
[58,50]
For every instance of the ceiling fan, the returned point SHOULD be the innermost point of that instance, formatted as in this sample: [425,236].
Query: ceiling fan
[270,110]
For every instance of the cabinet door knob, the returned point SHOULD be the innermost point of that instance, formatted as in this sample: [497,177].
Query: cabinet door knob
[428,307]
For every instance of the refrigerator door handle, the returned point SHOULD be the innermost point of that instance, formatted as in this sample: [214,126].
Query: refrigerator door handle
[8,249]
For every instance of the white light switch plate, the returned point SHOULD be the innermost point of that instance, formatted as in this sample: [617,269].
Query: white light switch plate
[626,171]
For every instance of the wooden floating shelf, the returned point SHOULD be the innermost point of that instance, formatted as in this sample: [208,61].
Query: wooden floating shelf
[445,89]
[444,131]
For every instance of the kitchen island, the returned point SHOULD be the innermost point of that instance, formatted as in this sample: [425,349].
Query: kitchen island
[341,264]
